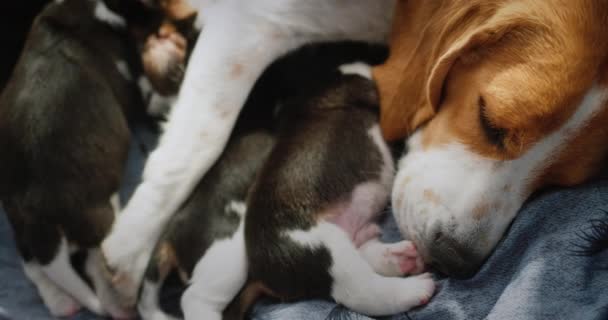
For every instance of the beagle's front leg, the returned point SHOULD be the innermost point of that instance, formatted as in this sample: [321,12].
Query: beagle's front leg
[231,53]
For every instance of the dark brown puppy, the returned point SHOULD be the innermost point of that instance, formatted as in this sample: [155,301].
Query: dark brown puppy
[64,141]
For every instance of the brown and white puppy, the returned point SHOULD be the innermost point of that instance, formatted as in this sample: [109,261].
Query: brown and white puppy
[64,141]
[212,213]
[501,99]
[309,228]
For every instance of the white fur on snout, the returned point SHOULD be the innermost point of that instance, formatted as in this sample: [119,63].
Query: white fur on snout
[104,14]
[358,68]
[451,186]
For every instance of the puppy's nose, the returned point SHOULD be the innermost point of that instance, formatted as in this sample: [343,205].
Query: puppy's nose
[451,256]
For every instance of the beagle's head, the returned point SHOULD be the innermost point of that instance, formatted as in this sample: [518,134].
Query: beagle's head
[499,99]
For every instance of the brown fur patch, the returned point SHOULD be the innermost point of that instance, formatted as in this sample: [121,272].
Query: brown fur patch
[237,70]
[480,211]
[166,258]
[431,196]
[248,296]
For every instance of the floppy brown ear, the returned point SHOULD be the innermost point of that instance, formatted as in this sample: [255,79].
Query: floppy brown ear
[425,43]
[485,35]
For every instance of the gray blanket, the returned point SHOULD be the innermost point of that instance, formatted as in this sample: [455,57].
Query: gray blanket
[537,271]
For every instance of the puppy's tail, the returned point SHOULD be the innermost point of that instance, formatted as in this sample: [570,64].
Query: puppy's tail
[241,305]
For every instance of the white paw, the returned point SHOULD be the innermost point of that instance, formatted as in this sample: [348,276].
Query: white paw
[61,305]
[126,261]
[402,258]
[418,290]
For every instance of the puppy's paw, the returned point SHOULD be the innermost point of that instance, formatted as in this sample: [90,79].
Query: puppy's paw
[403,258]
[125,264]
[418,290]
[61,305]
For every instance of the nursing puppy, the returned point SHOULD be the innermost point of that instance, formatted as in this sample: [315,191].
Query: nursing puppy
[239,40]
[309,228]
[64,141]
[212,213]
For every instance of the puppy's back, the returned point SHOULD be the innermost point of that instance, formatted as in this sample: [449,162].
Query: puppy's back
[62,121]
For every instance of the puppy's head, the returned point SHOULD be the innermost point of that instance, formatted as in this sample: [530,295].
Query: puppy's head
[163,31]
[165,48]
[513,99]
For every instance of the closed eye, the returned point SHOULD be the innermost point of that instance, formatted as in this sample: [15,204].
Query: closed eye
[494,134]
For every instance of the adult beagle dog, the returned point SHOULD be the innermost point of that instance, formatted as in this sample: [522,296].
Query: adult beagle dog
[498,99]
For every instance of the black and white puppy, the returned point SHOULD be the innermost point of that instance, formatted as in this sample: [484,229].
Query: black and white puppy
[217,205]
[212,213]
[326,181]
[64,141]
[309,228]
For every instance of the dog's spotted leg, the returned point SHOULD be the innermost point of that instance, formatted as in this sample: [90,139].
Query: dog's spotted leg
[217,278]
[60,304]
[61,272]
[392,259]
[356,285]
[220,75]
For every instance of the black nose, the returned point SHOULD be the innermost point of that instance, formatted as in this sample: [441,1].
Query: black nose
[452,257]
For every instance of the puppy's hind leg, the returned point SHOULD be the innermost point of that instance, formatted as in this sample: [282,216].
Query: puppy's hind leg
[61,272]
[356,285]
[60,304]
[159,268]
[148,306]
[217,279]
